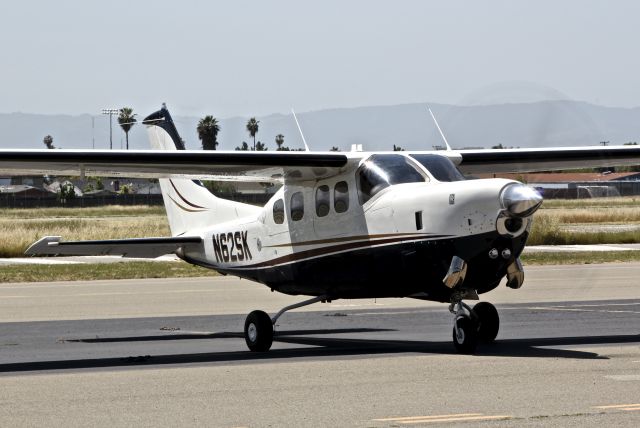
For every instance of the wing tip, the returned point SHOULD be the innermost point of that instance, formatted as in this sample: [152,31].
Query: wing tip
[43,246]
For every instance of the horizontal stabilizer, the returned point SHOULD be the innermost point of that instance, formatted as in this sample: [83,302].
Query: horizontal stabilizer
[135,247]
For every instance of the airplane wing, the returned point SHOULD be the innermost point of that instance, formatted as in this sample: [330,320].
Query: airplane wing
[544,159]
[293,166]
[136,247]
[203,165]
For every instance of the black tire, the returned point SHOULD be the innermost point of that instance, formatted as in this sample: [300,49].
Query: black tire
[488,321]
[467,342]
[258,331]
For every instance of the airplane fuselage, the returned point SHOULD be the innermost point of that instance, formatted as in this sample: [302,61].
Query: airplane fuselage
[321,238]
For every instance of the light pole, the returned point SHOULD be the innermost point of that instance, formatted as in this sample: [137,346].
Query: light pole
[110,112]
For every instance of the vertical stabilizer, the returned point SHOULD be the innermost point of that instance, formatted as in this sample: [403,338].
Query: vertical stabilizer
[189,205]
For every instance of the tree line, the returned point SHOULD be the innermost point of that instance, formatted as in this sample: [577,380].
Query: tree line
[208,129]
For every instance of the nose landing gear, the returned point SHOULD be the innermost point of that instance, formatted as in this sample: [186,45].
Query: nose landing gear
[472,325]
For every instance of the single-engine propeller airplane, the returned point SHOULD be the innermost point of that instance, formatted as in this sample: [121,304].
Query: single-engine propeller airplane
[342,226]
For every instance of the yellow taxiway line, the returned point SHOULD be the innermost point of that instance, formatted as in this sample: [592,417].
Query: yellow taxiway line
[459,417]
[626,407]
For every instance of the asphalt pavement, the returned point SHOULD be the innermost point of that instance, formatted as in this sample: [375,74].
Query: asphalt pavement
[170,352]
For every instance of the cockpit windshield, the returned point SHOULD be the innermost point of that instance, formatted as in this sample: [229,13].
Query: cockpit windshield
[381,171]
[440,167]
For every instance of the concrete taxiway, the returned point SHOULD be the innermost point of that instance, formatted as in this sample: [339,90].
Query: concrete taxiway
[170,352]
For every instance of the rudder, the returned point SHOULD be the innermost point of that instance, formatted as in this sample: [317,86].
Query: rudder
[189,205]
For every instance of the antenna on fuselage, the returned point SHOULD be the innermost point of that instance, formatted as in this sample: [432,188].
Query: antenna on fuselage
[300,130]
[439,130]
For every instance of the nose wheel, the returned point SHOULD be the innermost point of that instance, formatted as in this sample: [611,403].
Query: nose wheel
[480,324]
[488,321]
[465,335]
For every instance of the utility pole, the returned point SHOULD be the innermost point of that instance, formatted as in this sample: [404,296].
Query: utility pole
[110,112]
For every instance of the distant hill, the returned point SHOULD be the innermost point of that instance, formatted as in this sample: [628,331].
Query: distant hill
[539,124]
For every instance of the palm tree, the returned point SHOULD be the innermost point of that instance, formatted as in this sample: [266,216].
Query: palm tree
[208,129]
[252,128]
[48,141]
[126,119]
[279,141]
[244,147]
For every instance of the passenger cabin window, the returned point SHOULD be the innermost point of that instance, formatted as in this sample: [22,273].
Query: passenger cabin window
[322,201]
[381,171]
[297,206]
[440,167]
[341,197]
[278,211]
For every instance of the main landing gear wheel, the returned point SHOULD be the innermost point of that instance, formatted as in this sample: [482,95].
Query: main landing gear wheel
[258,331]
[465,335]
[488,321]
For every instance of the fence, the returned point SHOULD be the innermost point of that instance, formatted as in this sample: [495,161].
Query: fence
[589,189]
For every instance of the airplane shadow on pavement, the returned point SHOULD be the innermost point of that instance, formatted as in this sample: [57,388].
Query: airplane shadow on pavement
[325,347]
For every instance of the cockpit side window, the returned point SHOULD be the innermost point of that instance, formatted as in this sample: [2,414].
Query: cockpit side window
[278,211]
[381,171]
[440,167]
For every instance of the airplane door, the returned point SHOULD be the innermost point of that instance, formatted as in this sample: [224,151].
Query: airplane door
[335,210]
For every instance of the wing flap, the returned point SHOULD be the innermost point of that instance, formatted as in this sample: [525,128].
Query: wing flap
[135,247]
[204,165]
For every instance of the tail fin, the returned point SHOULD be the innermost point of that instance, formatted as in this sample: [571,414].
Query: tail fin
[189,205]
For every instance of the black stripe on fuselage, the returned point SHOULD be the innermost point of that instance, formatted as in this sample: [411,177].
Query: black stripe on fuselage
[397,269]
[352,238]
[331,249]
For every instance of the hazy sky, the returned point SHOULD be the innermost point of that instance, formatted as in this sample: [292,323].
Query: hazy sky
[230,58]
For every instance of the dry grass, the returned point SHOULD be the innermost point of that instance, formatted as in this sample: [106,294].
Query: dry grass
[85,272]
[106,211]
[549,225]
[580,257]
[548,229]
[21,228]
[593,215]
[591,203]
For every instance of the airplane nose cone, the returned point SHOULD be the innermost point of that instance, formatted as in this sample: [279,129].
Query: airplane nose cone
[520,200]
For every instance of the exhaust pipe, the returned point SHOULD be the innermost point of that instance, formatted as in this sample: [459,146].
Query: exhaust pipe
[515,274]
[457,272]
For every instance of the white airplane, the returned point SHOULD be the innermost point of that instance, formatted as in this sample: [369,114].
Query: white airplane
[343,225]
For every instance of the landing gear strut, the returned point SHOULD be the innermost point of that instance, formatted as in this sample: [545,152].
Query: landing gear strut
[259,327]
[472,325]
